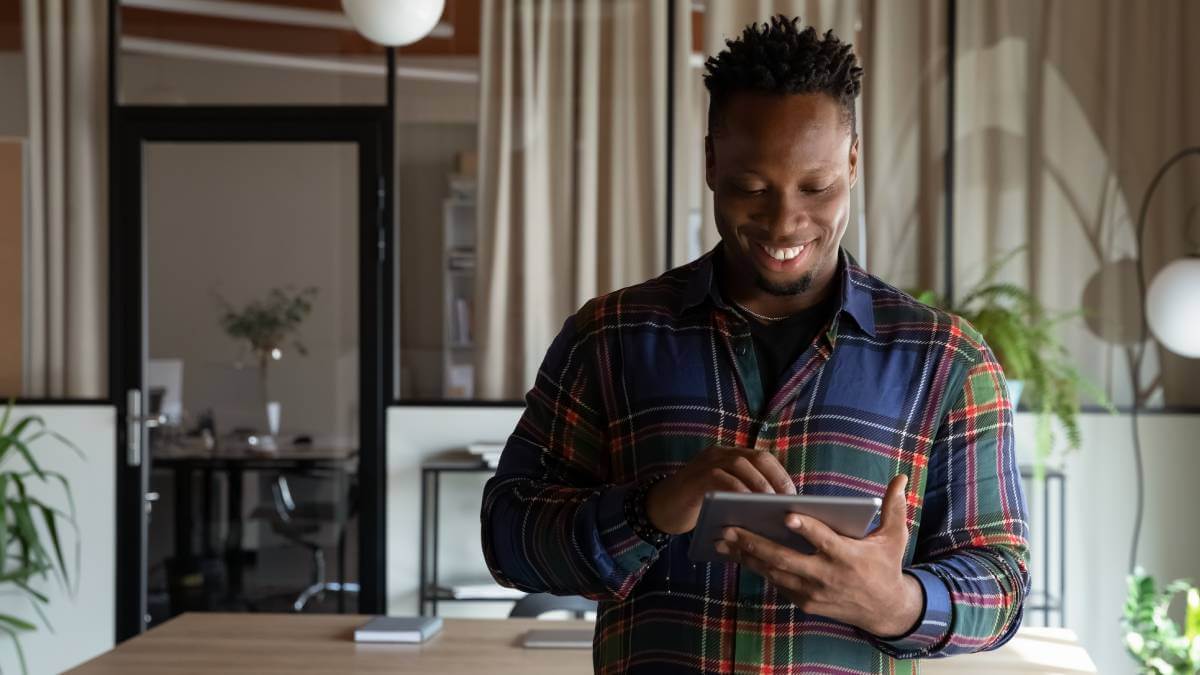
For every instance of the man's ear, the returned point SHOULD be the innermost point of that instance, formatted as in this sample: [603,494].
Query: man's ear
[709,160]
[854,148]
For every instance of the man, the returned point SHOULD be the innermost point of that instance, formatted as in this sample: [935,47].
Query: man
[773,364]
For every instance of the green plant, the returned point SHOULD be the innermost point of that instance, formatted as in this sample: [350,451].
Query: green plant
[266,324]
[1021,333]
[1151,637]
[30,550]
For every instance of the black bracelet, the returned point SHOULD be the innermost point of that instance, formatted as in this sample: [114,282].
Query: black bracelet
[635,513]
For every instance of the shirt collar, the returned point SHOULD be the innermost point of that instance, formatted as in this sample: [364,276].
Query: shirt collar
[856,300]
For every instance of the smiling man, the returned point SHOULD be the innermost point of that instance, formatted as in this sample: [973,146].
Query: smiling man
[774,364]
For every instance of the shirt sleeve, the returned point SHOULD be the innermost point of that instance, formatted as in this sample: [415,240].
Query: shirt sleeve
[971,553]
[551,520]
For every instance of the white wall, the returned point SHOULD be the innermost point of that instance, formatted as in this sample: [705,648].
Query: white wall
[416,433]
[238,219]
[84,623]
[1100,514]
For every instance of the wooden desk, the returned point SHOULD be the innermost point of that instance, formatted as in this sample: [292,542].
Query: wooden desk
[291,643]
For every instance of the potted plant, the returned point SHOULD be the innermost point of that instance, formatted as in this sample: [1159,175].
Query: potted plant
[265,325]
[1151,637]
[1021,333]
[29,527]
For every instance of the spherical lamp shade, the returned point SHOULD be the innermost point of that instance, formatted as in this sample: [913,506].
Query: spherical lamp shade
[394,23]
[1173,307]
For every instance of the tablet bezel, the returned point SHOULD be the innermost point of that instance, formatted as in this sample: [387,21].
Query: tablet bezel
[764,514]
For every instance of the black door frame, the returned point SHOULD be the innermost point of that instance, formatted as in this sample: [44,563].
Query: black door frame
[369,127]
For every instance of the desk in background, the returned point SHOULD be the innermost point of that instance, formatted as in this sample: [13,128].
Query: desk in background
[235,460]
[291,643]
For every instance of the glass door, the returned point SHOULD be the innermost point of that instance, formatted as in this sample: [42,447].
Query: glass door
[248,255]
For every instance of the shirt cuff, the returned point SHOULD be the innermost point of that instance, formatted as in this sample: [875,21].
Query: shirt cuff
[935,619]
[627,548]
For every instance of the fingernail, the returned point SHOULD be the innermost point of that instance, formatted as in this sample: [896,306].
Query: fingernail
[722,548]
[794,522]
[729,534]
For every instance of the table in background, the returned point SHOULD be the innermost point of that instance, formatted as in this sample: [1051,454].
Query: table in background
[429,592]
[235,460]
[300,643]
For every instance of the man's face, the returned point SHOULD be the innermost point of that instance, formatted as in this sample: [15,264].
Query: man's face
[781,169]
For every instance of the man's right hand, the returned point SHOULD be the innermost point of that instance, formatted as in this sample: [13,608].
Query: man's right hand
[673,504]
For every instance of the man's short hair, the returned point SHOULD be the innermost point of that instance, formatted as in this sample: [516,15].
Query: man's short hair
[781,58]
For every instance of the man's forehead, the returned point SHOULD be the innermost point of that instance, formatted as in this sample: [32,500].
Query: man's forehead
[756,111]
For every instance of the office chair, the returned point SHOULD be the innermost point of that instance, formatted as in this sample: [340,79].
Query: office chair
[299,525]
[536,604]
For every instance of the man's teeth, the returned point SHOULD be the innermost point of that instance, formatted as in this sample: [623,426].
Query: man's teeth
[783,253]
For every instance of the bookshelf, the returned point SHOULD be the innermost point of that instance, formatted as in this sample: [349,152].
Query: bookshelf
[458,284]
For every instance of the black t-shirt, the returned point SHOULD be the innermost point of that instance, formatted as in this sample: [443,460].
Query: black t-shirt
[778,344]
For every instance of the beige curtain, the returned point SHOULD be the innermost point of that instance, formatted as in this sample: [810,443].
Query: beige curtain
[66,279]
[572,169]
[1066,110]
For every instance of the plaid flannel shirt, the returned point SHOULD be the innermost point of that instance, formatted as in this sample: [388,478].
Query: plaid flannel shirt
[641,380]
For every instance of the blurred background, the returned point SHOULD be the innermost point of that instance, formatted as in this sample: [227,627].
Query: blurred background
[326,288]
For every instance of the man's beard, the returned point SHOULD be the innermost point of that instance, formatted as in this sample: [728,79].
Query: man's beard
[796,287]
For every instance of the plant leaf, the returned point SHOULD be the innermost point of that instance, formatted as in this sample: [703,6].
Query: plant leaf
[51,520]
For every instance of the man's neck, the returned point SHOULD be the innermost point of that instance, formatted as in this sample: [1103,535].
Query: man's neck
[743,290]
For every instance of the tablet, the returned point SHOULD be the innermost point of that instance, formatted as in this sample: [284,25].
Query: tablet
[764,514]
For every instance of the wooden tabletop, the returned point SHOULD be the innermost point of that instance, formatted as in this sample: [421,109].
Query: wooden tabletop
[294,643]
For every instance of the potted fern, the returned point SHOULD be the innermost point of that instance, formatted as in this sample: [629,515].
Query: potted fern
[264,326]
[1021,333]
[1151,637]
[30,545]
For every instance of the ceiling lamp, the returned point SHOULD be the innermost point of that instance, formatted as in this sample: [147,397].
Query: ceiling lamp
[394,23]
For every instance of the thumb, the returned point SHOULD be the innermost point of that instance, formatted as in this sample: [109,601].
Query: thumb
[893,517]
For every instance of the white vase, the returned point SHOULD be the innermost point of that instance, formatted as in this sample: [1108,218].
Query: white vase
[274,412]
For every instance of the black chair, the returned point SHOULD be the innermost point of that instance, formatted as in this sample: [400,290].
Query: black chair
[299,524]
[536,604]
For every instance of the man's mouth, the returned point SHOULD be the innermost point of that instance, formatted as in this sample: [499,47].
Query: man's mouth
[780,258]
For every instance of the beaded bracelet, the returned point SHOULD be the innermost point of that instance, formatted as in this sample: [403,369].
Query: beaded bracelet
[635,512]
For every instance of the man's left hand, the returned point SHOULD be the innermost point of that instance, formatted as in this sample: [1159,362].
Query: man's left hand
[856,581]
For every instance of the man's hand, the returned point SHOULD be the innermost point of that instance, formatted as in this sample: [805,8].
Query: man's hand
[856,581]
[673,505]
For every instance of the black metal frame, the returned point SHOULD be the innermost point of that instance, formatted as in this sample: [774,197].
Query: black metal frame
[367,127]
[372,128]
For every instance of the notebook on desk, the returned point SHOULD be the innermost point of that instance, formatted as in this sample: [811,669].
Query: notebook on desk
[411,629]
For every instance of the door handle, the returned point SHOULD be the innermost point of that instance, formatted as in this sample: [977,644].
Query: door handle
[134,420]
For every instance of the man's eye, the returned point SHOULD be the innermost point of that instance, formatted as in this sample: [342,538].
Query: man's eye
[752,190]
[817,191]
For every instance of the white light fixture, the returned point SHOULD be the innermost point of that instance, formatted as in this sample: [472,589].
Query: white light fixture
[394,23]
[1173,307]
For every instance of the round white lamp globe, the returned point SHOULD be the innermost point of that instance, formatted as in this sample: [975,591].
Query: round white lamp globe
[1173,307]
[394,23]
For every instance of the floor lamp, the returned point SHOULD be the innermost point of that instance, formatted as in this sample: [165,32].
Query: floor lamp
[1171,311]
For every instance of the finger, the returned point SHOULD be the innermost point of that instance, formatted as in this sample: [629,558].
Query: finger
[779,578]
[721,479]
[774,555]
[821,536]
[893,518]
[771,468]
[745,470]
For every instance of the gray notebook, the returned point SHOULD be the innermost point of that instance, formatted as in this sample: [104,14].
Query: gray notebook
[398,629]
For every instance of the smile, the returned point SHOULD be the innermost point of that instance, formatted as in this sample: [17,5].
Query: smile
[783,254]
